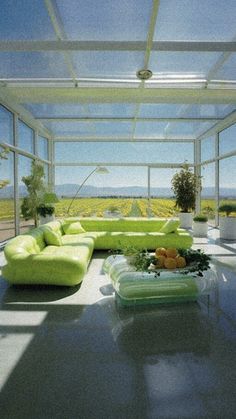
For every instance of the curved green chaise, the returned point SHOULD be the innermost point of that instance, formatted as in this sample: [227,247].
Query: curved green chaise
[31,260]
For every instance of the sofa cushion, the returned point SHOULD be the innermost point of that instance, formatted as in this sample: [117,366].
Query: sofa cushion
[128,224]
[73,228]
[150,241]
[170,226]
[52,237]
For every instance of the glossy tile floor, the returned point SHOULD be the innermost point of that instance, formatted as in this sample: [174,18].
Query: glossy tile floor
[73,354]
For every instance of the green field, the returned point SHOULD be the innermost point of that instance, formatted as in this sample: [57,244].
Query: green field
[96,207]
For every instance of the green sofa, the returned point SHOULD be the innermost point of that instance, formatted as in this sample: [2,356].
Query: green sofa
[32,260]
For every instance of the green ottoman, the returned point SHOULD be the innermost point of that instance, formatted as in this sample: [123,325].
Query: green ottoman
[134,287]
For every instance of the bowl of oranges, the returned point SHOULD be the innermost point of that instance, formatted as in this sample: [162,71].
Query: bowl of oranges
[168,258]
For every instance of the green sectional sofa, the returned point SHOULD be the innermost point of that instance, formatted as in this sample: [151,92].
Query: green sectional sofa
[38,258]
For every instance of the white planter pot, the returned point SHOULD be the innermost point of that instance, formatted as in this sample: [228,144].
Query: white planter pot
[228,228]
[186,219]
[200,229]
[47,219]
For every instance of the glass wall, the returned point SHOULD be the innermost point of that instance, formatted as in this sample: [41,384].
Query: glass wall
[227,183]
[227,166]
[208,203]
[7,207]
[6,126]
[162,203]
[25,137]
[208,148]
[124,187]
[25,144]
[227,140]
[125,152]
[24,169]
[42,146]
[121,192]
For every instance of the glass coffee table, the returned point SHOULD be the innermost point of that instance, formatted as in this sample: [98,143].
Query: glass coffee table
[169,286]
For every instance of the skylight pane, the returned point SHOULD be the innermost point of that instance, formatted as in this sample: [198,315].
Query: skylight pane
[208,111]
[126,152]
[108,64]
[25,20]
[159,110]
[192,128]
[211,20]
[113,128]
[115,110]
[32,64]
[50,110]
[182,65]
[150,129]
[72,128]
[228,70]
[105,20]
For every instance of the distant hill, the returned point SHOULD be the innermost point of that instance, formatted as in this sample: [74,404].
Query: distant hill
[69,190]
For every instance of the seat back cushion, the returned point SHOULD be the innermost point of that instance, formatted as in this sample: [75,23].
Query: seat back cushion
[55,226]
[73,228]
[138,224]
[51,237]
[170,226]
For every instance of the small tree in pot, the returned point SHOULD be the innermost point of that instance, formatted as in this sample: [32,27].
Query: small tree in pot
[185,185]
[228,223]
[35,187]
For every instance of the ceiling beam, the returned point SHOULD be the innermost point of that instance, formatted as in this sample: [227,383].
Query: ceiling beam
[60,34]
[68,45]
[111,95]
[109,164]
[120,119]
[156,139]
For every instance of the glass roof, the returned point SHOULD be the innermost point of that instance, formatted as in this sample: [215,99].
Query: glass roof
[73,66]
[114,21]
[199,20]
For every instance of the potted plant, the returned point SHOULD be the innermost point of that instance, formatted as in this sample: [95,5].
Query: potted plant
[200,225]
[35,187]
[46,213]
[227,222]
[185,185]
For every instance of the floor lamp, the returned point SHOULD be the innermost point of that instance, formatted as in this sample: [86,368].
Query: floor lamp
[99,169]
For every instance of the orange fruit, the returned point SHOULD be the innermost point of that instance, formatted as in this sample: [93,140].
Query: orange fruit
[160,261]
[181,262]
[171,253]
[170,263]
[160,251]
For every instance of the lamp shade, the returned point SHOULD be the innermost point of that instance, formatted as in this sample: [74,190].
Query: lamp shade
[102,170]
[50,198]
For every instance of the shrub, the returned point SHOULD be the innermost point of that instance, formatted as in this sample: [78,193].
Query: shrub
[201,218]
[227,208]
[185,185]
[44,210]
